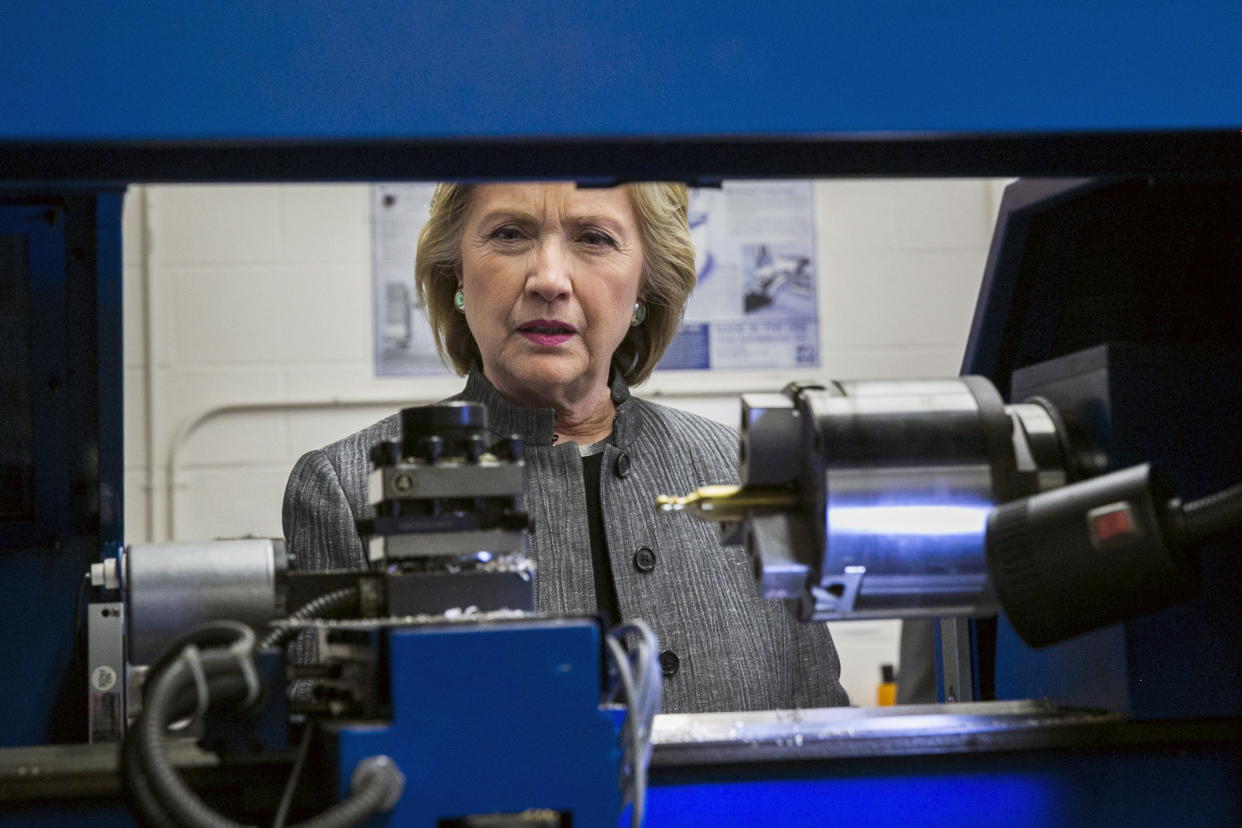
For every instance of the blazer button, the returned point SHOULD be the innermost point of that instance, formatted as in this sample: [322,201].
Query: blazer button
[645,559]
[669,663]
[623,466]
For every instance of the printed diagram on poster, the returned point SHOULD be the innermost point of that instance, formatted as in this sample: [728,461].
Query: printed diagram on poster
[755,306]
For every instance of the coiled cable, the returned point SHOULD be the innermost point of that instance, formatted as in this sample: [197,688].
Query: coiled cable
[174,689]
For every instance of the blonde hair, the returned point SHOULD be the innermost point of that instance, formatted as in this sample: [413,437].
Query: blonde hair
[668,275]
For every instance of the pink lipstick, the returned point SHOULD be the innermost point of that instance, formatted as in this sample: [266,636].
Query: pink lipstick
[547,333]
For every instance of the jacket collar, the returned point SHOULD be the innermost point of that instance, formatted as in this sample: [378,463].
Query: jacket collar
[537,425]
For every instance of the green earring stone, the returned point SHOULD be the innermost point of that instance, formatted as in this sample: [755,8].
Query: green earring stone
[640,315]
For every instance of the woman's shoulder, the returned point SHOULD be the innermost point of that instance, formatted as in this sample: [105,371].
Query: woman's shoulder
[711,445]
[350,457]
[681,422]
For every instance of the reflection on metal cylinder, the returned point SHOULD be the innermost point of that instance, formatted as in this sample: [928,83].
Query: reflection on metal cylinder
[886,488]
[908,473]
[172,587]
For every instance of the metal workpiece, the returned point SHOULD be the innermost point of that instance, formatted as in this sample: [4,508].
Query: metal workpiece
[172,587]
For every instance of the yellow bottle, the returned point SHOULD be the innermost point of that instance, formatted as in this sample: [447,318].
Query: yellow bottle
[886,690]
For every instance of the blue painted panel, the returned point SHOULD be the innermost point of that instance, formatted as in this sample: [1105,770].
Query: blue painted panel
[397,68]
[495,719]
[73,242]
[1016,790]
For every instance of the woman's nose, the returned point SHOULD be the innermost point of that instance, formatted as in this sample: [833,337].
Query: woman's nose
[550,277]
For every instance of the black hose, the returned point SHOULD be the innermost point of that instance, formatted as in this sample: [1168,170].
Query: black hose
[158,793]
[136,786]
[137,790]
[325,606]
[170,697]
[1212,516]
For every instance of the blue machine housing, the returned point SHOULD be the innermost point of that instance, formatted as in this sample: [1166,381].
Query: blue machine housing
[494,719]
[1107,298]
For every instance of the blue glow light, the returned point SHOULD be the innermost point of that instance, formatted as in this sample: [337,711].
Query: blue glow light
[909,520]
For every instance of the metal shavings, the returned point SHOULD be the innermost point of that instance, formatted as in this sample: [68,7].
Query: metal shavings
[456,615]
[516,562]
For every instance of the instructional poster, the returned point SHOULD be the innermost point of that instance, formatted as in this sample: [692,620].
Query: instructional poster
[755,306]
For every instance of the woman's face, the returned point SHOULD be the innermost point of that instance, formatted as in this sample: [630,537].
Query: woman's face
[551,273]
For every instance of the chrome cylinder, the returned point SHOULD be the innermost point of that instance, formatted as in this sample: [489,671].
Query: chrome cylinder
[909,475]
[170,588]
[895,481]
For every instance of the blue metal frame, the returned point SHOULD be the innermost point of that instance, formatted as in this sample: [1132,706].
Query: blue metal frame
[417,69]
[42,227]
[693,91]
[74,250]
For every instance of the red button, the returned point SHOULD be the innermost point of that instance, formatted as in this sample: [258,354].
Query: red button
[1112,522]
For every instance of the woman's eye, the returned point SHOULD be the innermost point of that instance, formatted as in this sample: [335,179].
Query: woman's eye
[594,238]
[506,234]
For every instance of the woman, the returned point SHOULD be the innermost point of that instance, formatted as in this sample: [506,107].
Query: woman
[553,300]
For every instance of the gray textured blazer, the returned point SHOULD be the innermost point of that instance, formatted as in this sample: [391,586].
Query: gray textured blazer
[734,651]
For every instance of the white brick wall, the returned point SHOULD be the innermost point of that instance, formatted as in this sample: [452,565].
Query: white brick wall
[259,346]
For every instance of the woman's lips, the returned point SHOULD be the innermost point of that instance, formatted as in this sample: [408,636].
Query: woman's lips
[547,340]
[547,333]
